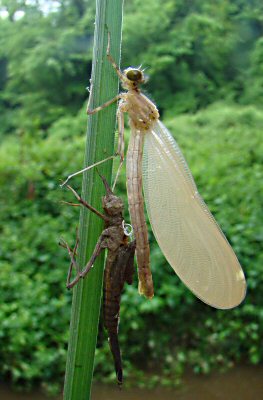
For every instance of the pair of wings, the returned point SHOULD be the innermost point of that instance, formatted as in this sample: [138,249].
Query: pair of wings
[184,228]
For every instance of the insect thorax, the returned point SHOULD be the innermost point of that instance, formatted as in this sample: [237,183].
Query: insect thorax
[142,112]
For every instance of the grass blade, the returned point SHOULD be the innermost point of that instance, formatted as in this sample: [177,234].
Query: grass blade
[99,145]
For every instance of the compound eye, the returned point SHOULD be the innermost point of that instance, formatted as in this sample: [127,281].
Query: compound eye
[134,75]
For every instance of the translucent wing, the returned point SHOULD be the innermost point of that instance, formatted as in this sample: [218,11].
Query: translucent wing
[185,230]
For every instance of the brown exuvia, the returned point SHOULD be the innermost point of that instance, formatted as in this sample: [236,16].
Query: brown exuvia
[119,267]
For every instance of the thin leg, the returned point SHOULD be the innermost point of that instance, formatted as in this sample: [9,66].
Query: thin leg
[72,254]
[85,204]
[87,168]
[106,104]
[71,264]
[121,143]
[98,248]
[62,244]
[112,61]
[70,204]
[117,175]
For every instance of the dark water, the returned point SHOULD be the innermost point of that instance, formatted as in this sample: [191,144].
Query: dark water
[243,383]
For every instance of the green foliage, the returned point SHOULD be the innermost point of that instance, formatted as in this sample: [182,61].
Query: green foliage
[254,84]
[46,64]
[198,53]
[35,305]
[223,147]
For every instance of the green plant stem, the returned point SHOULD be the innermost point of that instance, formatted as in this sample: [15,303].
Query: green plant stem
[99,145]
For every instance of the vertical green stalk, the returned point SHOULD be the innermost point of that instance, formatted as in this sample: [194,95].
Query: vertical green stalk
[99,145]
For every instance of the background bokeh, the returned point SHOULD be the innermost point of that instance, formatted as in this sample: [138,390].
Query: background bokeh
[205,63]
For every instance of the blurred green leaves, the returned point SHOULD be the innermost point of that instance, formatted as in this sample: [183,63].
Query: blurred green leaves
[198,53]
[223,147]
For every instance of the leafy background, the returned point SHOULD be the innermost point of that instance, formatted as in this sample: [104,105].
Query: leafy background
[205,62]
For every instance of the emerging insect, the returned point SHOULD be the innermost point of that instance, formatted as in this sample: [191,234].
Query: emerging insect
[119,266]
[185,230]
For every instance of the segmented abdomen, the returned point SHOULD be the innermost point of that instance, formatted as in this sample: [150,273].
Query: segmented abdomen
[111,310]
[112,297]
[136,208]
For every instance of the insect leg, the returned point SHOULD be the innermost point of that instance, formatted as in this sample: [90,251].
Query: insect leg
[70,204]
[87,205]
[112,61]
[87,168]
[72,254]
[120,150]
[98,248]
[104,105]
[71,264]
[121,143]
[120,117]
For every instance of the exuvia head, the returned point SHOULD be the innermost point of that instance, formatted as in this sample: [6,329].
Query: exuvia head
[133,77]
[112,205]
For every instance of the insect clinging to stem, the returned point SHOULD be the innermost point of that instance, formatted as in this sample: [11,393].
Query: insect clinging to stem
[187,233]
[119,267]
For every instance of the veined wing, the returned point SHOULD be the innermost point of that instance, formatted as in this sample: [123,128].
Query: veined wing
[184,228]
